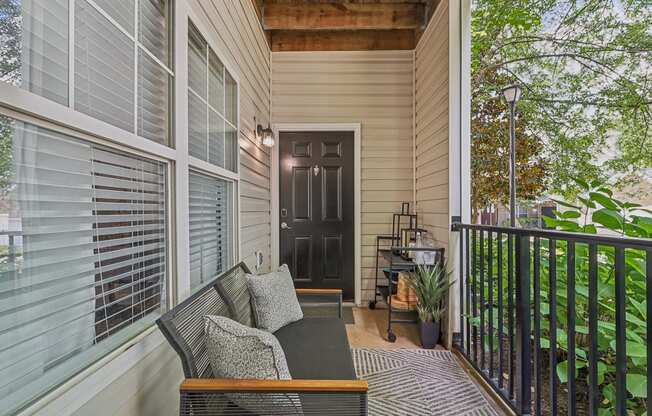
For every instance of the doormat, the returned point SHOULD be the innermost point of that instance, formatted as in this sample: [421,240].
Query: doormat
[322,311]
[418,382]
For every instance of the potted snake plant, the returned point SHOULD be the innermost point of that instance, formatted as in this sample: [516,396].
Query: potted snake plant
[431,285]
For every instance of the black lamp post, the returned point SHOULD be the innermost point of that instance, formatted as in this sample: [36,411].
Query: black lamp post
[512,94]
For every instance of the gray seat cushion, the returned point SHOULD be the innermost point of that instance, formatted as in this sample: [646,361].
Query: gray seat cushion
[317,349]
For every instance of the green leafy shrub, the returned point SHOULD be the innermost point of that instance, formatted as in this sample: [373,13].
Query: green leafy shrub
[597,210]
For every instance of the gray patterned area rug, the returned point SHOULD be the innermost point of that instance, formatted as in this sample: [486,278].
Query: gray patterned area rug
[418,382]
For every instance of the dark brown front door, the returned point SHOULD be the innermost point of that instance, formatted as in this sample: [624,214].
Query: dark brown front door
[316,208]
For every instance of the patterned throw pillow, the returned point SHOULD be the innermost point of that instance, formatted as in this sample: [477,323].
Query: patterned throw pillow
[274,299]
[236,351]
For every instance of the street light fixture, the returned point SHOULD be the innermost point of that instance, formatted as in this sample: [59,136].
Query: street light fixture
[512,94]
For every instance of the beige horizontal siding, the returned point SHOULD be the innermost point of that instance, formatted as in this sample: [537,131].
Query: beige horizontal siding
[431,126]
[151,387]
[371,88]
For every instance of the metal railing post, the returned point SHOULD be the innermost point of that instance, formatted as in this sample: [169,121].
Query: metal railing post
[523,376]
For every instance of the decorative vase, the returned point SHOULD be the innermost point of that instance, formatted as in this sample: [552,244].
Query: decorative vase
[429,332]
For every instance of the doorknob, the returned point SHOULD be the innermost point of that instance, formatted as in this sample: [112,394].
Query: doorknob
[285,226]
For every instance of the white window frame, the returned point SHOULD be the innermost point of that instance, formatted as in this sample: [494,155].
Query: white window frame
[138,46]
[194,163]
[235,213]
[26,106]
[16,103]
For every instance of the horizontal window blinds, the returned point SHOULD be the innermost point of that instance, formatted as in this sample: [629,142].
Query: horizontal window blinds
[212,105]
[153,21]
[82,255]
[34,46]
[104,68]
[211,228]
[154,80]
[120,75]
[153,99]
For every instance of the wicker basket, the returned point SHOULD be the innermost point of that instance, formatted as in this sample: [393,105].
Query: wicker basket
[403,304]
[404,291]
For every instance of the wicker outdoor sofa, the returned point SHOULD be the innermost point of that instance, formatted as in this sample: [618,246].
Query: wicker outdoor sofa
[316,348]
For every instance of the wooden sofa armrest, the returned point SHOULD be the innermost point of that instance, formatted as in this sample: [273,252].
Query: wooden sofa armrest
[228,397]
[279,386]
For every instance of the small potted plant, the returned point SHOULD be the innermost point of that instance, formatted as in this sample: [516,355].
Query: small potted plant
[431,285]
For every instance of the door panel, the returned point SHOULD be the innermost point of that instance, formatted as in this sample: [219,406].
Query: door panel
[302,258]
[301,193]
[316,207]
[332,256]
[331,193]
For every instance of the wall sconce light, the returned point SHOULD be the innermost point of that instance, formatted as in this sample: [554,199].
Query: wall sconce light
[266,135]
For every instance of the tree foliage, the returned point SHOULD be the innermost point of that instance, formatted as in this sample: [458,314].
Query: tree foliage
[10,41]
[490,161]
[586,70]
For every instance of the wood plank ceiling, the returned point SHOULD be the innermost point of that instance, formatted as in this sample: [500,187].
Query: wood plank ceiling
[343,25]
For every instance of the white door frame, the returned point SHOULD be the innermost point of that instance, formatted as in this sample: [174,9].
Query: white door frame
[356,129]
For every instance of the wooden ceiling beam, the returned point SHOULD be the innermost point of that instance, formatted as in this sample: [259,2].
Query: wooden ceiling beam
[342,40]
[343,16]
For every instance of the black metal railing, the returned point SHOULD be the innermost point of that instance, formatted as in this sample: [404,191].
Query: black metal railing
[545,318]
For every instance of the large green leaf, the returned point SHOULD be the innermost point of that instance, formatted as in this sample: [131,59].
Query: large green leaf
[635,320]
[641,307]
[604,200]
[582,329]
[637,385]
[568,215]
[589,229]
[609,392]
[634,349]
[634,230]
[608,218]
[581,182]
[550,222]
[566,225]
[602,369]
[565,204]
[562,370]
[643,222]
[630,205]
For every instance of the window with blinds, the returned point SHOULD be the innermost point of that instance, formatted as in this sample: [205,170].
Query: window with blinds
[212,106]
[106,33]
[122,68]
[211,228]
[83,255]
[34,46]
